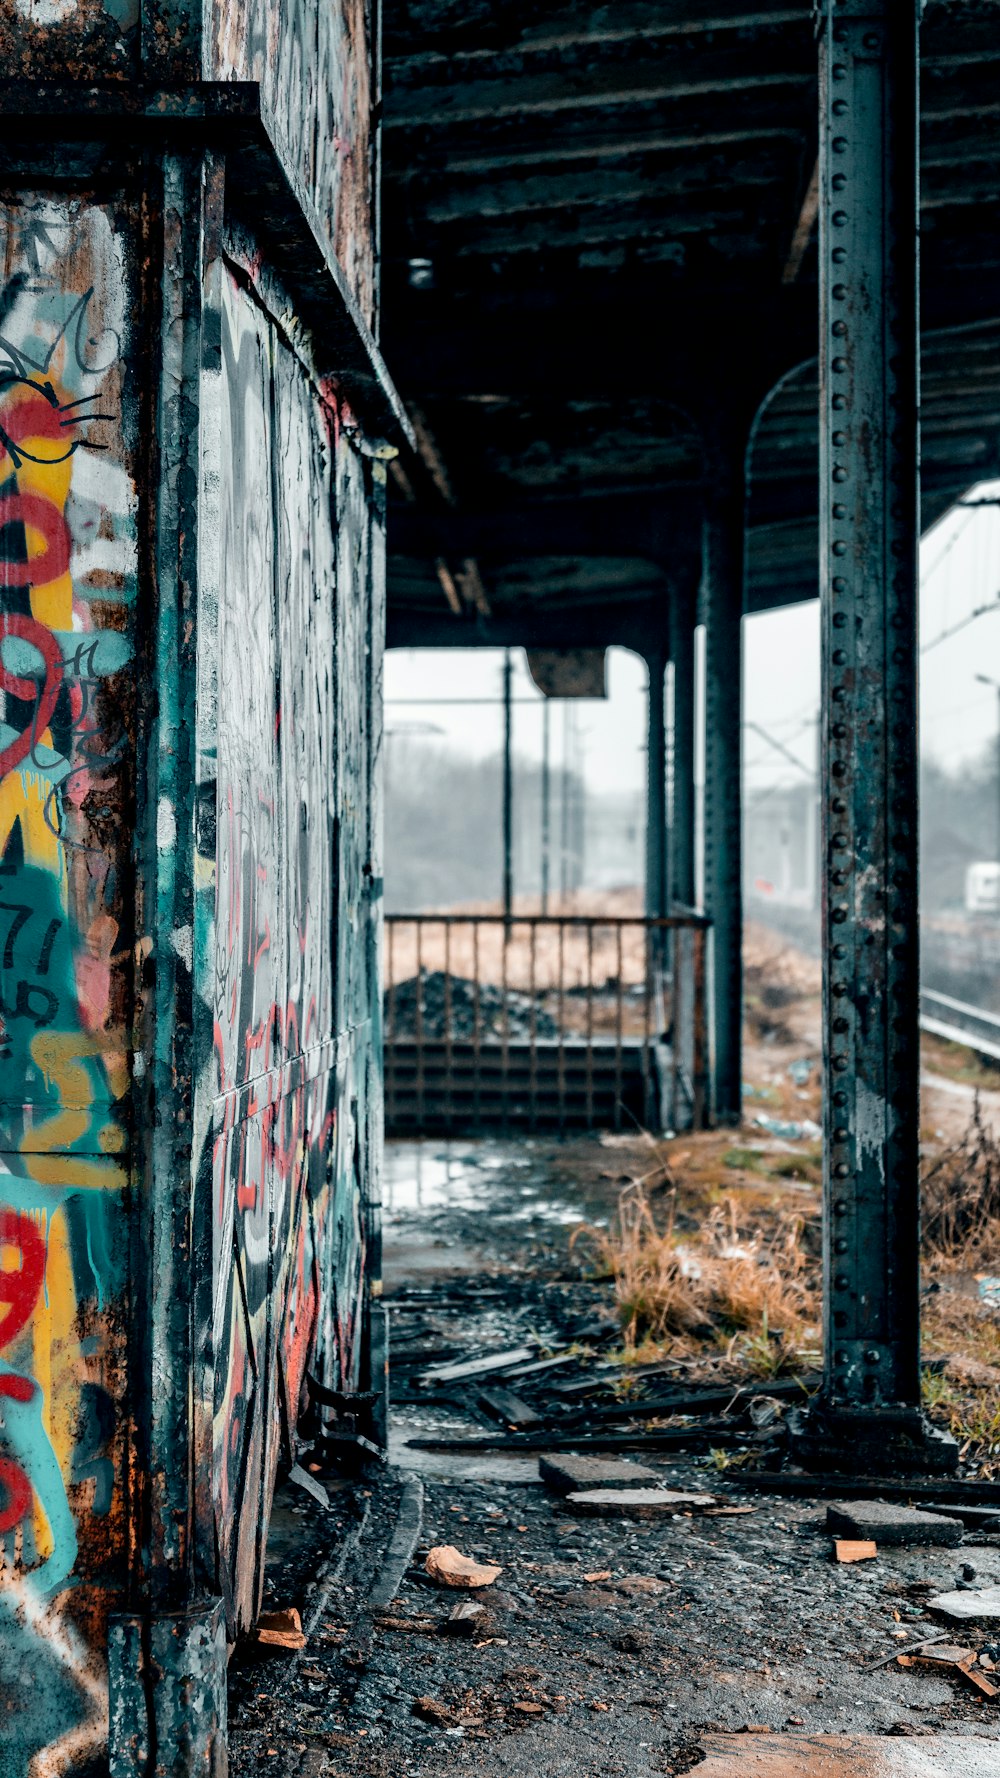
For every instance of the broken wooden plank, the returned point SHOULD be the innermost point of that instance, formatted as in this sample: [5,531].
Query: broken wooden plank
[509,1409]
[477,1367]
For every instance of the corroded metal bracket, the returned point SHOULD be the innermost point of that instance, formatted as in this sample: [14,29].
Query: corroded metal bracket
[263,191]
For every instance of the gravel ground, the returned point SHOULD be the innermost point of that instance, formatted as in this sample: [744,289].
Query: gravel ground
[608,1645]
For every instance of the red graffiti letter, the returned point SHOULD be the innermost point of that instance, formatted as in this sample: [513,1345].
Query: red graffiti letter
[19,1290]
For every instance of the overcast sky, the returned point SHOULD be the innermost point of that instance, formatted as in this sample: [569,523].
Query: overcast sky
[960,569]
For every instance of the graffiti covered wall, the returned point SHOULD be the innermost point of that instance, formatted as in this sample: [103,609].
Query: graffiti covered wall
[67,751]
[286,906]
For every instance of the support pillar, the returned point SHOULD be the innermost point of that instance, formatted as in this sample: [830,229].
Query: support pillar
[723,612]
[681,822]
[868,1416]
[656,787]
[508,791]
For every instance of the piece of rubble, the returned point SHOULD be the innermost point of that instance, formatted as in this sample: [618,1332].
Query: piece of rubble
[433,1711]
[968,1606]
[568,1473]
[450,1568]
[888,1524]
[468,1619]
[854,1549]
[281,1629]
[636,1503]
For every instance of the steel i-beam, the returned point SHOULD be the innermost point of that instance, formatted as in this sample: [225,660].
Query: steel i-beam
[868,1416]
[656,786]
[723,818]
[681,824]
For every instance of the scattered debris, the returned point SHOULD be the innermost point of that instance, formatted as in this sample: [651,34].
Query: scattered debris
[894,1655]
[939,1654]
[308,1483]
[281,1629]
[450,1568]
[951,1658]
[854,1549]
[883,1523]
[637,1503]
[569,1473]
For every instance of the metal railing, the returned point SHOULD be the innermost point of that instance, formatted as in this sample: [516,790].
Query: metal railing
[960,1022]
[545,1021]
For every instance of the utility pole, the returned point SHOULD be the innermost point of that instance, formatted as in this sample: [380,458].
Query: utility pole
[508,791]
[984,679]
[546,825]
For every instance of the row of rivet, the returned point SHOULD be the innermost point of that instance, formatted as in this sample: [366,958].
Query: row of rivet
[841,849]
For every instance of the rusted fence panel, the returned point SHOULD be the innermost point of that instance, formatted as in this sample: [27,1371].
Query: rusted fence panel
[544,1022]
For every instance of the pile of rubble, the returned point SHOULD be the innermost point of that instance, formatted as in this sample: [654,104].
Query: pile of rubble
[499,1012]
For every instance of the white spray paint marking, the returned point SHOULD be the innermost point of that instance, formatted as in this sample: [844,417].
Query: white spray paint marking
[873,1126]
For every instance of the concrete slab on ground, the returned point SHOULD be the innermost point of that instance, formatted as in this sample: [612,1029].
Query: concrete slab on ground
[847,1756]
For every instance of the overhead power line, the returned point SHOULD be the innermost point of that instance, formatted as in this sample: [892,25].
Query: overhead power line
[963,623]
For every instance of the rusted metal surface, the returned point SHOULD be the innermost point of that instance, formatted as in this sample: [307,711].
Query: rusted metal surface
[544,1022]
[869,580]
[317,68]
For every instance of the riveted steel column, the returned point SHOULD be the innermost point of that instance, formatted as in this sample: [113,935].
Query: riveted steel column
[656,787]
[681,824]
[723,610]
[869,365]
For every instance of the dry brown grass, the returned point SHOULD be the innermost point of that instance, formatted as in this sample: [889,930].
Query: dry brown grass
[745,1288]
[960,1200]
